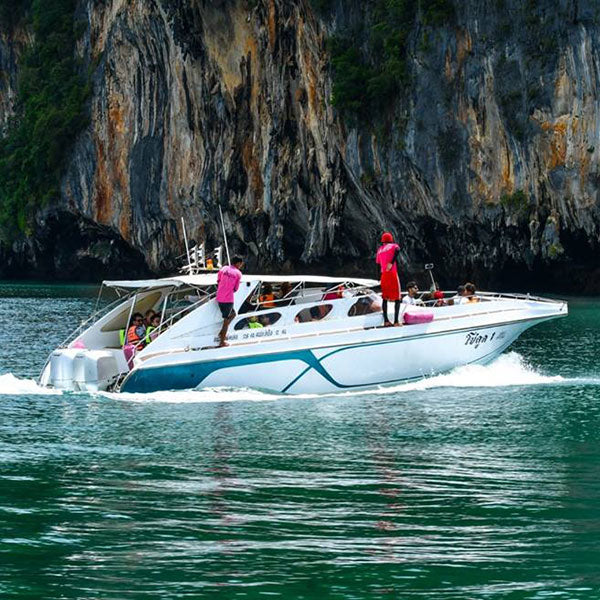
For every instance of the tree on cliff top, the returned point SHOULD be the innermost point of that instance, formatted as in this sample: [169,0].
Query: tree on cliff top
[50,112]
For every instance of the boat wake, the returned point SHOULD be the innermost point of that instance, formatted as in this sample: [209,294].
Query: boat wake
[15,386]
[219,394]
[509,369]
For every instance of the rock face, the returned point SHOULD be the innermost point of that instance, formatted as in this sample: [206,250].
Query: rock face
[487,165]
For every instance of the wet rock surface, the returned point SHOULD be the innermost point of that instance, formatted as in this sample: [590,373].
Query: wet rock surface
[67,247]
[486,165]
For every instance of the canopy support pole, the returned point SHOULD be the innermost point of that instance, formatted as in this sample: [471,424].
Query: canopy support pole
[129,319]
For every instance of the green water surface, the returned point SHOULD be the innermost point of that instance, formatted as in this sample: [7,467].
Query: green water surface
[481,484]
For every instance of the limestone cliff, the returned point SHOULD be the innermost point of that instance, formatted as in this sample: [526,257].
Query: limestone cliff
[486,163]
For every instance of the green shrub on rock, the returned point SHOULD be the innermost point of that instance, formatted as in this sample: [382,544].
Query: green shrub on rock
[370,66]
[50,112]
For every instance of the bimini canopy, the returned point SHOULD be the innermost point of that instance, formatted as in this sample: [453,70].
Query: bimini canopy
[208,279]
[143,284]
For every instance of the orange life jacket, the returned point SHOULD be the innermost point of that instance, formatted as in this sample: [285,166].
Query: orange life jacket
[132,336]
[267,301]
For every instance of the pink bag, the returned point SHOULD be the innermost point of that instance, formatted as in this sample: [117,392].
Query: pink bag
[129,352]
[414,318]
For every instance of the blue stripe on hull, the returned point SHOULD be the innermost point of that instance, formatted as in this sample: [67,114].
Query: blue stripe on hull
[191,375]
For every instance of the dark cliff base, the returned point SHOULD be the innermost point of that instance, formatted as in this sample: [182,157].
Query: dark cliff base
[469,130]
[66,247]
[69,248]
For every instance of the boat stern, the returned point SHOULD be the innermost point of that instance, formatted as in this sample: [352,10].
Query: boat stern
[72,369]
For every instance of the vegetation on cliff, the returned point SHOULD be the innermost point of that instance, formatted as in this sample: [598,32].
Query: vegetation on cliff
[50,112]
[367,77]
[12,11]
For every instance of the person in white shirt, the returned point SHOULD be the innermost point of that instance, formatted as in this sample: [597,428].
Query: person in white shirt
[412,290]
[460,297]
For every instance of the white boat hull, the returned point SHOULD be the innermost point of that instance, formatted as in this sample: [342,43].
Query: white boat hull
[382,356]
[320,339]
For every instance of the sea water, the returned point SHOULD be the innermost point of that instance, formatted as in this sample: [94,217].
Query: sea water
[480,483]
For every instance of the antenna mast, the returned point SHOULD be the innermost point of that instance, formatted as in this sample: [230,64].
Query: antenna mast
[187,248]
[224,235]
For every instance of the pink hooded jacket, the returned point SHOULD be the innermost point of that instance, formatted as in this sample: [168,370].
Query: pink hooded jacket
[228,282]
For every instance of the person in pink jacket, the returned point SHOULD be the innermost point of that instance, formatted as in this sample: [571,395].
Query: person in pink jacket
[228,282]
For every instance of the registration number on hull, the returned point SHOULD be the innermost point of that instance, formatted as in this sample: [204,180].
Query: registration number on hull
[476,339]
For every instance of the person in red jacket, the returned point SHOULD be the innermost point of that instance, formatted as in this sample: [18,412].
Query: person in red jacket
[387,259]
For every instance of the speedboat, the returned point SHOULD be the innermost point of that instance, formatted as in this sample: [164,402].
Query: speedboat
[320,335]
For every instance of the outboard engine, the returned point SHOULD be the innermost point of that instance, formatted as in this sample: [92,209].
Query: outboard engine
[62,363]
[94,370]
[75,369]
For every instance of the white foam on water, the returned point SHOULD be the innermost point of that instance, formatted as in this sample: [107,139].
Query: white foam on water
[14,386]
[509,369]
[219,394]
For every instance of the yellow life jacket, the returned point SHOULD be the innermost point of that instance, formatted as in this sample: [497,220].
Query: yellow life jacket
[149,330]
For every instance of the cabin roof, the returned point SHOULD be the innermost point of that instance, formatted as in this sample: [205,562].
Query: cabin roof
[207,279]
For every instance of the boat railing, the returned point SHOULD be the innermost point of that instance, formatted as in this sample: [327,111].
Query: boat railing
[367,292]
[96,314]
[104,310]
[177,316]
[317,297]
[518,296]
[308,296]
[352,329]
[86,323]
[488,296]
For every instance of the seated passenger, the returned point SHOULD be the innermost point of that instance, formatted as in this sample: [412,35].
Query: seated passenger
[412,289]
[315,313]
[438,296]
[152,329]
[374,305]
[136,331]
[253,323]
[459,297]
[335,294]
[267,298]
[365,305]
[148,317]
[285,297]
[470,293]
[308,314]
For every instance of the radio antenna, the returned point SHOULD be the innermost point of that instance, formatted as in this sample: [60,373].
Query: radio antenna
[187,248]
[224,236]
